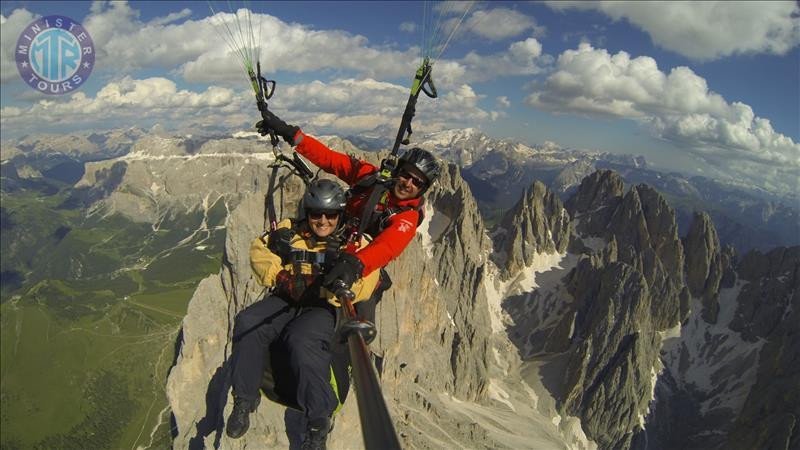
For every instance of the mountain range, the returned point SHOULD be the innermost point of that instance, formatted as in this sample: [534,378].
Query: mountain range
[585,324]
[497,170]
[546,302]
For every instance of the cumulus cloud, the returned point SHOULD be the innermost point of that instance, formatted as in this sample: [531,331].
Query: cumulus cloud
[10,28]
[352,106]
[197,49]
[126,99]
[520,58]
[343,106]
[708,30]
[408,27]
[171,17]
[503,102]
[501,23]
[676,106]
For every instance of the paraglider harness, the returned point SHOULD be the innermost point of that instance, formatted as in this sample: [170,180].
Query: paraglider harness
[303,286]
[381,211]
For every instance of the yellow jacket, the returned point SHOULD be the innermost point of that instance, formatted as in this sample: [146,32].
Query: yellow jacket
[266,265]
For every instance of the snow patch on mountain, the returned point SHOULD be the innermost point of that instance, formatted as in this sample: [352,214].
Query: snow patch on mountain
[527,279]
[142,156]
[713,358]
[495,294]
[432,228]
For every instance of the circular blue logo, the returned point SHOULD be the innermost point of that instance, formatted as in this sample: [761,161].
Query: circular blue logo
[54,55]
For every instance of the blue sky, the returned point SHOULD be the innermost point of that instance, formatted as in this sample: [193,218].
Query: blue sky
[710,88]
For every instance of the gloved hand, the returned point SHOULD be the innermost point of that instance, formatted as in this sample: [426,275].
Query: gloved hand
[281,128]
[278,242]
[347,270]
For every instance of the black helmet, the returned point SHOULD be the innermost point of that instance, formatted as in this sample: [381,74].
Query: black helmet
[424,161]
[324,195]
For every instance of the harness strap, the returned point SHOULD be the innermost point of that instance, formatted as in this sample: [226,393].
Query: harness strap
[305,256]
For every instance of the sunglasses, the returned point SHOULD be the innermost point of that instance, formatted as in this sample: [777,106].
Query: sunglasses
[317,215]
[416,181]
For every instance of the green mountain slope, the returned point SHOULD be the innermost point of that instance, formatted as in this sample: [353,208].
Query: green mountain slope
[91,309]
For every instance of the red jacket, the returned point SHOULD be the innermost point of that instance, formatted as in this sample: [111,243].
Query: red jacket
[400,228]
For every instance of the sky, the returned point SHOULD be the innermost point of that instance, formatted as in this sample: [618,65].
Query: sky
[706,88]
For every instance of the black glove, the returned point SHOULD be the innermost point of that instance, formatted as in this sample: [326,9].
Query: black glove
[347,270]
[278,242]
[271,122]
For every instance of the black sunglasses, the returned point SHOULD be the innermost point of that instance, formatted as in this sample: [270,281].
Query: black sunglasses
[416,181]
[317,215]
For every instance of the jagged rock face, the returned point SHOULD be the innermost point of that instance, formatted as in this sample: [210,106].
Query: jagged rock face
[704,264]
[460,263]
[726,383]
[537,224]
[770,417]
[644,228]
[601,323]
[433,331]
[608,380]
[160,174]
[772,288]
[626,291]
[598,190]
[572,175]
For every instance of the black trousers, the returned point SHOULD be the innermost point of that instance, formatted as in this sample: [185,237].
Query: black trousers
[306,332]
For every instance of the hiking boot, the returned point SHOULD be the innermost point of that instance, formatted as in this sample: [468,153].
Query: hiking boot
[239,420]
[317,434]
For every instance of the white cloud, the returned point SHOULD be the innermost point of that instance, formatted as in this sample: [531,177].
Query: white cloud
[126,44]
[408,27]
[352,106]
[708,30]
[503,102]
[197,49]
[171,17]
[124,100]
[343,107]
[677,107]
[520,58]
[10,28]
[501,23]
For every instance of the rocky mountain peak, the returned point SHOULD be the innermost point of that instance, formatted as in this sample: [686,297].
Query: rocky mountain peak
[706,263]
[537,224]
[433,341]
[468,320]
[768,312]
[772,289]
[599,189]
[628,288]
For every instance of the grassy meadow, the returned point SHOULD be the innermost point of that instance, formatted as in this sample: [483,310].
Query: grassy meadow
[91,310]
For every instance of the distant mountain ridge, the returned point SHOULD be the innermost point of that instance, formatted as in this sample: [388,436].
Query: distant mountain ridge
[499,170]
[496,170]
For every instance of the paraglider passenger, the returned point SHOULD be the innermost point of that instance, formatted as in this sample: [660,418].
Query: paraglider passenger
[299,312]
